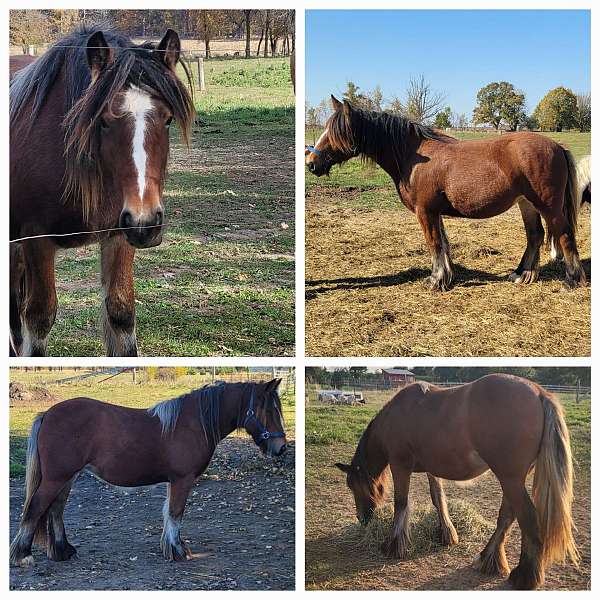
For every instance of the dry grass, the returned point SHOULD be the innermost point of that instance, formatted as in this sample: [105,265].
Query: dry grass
[424,527]
[365,263]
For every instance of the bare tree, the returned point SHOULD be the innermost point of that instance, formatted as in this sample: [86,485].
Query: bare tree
[584,112]
[422,103]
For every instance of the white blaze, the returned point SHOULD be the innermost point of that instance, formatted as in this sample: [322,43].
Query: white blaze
[138,104]
[321,138]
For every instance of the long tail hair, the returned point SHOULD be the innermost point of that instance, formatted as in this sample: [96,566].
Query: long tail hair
[553,486]
[33,477]
[584,177]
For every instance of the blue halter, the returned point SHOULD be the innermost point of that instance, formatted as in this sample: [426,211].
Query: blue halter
[313,150]
[262,434]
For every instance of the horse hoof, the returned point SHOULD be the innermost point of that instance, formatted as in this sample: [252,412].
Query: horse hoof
[435,285]
[62,553]
[26,561]
[524,277]
[525,579]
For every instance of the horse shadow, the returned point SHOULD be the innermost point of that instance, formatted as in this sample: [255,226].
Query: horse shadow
[330,555]
[555,270]
[463,277]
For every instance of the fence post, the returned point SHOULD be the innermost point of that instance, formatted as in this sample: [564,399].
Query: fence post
[201,82]
[577,392]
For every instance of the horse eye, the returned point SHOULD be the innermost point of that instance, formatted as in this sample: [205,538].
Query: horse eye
[168,122]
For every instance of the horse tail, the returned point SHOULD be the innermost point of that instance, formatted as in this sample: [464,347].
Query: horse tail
[553,486]
[584,177]
[33,477]
[571,203]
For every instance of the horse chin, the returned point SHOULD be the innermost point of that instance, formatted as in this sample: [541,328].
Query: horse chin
[141,242]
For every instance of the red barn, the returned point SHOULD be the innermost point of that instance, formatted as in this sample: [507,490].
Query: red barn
[398,377]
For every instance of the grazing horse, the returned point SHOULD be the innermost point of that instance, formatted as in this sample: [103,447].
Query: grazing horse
[171,442]
[89,142]
[436,175]
[499,422]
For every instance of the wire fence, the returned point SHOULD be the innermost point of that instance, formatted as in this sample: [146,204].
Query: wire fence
[376,390]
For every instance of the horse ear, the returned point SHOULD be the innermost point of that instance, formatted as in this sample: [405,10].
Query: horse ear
[272,385]
[170,49]
[98,53]
[335,103]
[347,108]
[343,467]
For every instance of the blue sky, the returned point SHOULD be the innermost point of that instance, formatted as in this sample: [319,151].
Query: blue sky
[458,51]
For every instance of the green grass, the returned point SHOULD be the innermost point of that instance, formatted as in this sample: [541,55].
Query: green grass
[222,281]
[117,390]
[367,186]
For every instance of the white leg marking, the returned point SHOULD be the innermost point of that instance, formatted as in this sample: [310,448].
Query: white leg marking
[138,104]
[32,342]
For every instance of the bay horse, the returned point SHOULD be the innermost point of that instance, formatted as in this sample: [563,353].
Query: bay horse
[437,175]
[89,142]
[171,442]
[502,423]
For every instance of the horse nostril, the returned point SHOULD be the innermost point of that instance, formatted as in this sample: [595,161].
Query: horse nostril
[159,217]
[126,219]
[311,167]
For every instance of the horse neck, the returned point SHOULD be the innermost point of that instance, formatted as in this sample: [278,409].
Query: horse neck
[233,405]
[372,451]
[384,154]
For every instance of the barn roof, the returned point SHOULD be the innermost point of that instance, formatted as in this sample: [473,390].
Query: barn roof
[397,372]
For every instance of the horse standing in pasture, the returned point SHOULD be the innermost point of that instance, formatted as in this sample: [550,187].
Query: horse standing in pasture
[437,175]
[89,142]
[171,442]
[499,422]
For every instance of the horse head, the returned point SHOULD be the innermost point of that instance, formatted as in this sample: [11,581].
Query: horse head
[122,125]
[336,144]
[263,419]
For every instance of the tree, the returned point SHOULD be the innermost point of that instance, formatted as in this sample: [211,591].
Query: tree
[499,102]
[209,23]
[422,103]
[584,112]
[248,16]
[443,120]
[28,27]
[557,110]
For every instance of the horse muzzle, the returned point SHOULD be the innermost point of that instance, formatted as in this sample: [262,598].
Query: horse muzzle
[142,232]
[275,447]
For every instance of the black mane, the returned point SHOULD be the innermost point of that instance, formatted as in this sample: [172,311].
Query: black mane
[370,134]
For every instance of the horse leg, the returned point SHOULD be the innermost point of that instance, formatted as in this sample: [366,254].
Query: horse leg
[492,560]
[58,547]
[435,236]
[528,269]
[171,544]
[17,278]
[563,236]
[449,537]
[118,306]
[529,573]
[33,523]
[38,310]
[396,546]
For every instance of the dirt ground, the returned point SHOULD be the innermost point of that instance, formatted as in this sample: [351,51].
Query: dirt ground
[333,561]
[239,520]
[365,266]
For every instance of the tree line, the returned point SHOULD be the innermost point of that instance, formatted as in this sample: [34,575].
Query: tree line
[274,29]
[498,104]
[542,375]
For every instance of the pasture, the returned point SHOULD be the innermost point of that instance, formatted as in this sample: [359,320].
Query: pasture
[366,259]
[239,517]
[222,281]
[339,557]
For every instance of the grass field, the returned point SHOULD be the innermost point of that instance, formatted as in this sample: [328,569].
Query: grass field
[222,281]
[117,390]
[336,561]
[366,259]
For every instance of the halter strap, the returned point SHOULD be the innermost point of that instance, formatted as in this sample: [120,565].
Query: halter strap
[262,434]
[313,150]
